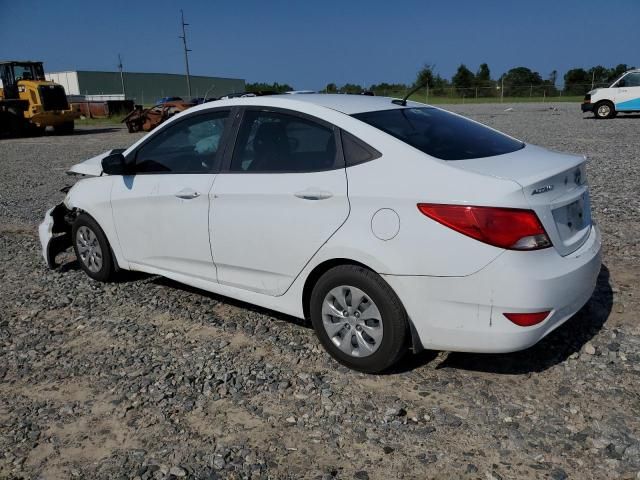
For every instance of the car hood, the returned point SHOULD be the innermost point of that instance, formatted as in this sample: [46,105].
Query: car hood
[91,167]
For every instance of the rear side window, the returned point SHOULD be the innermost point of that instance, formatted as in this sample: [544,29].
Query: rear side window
[356,151]
[278,142]
[441,134]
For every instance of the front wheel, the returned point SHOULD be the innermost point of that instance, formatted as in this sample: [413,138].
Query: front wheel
[604,110]
[92,248]
[359,319]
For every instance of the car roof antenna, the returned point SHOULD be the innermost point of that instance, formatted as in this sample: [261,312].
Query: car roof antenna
[403,102]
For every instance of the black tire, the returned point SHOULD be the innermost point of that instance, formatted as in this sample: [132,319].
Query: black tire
[604,109]
[35,131]
[394,343]
[106,270]
[65,128]
[12,123]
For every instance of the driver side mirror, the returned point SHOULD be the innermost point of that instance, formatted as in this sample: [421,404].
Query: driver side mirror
[114,164]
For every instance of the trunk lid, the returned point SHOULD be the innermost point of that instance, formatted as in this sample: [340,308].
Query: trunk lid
[554,185]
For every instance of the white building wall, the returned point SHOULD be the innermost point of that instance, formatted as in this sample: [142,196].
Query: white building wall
[69,80]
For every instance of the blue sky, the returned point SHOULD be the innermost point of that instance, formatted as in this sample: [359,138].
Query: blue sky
[309,43]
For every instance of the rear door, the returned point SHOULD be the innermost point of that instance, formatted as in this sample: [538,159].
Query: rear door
[161,212]
[282,195]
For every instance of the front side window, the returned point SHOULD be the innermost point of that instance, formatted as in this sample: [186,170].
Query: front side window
[189,146]
[278,142]
[441,134]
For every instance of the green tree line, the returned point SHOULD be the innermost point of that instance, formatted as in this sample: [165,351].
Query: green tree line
[258,87]
[517,82]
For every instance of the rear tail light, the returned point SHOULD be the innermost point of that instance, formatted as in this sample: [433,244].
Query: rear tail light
[527,319]
[509,228]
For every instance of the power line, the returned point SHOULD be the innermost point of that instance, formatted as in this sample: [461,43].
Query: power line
[124,94]
[186,51]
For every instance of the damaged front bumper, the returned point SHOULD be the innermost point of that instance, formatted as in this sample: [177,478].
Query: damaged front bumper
[55,233]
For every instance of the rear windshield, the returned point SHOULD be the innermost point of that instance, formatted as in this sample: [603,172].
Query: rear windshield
[441,134]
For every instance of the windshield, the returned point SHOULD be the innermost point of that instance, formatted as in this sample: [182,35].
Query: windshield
[616,81]
[441,134]
[628,79]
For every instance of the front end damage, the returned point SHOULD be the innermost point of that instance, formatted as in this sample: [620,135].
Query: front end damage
[55,229]
[55,232]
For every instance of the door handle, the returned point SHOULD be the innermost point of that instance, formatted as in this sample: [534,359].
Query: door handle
[187,194]
[313,195]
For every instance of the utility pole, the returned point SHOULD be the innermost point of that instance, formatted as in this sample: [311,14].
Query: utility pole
[186,52]
[124,93]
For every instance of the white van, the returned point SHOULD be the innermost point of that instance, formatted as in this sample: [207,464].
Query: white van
[622,96]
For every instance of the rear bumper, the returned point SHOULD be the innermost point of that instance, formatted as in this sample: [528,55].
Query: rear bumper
[466,313]
[587,107]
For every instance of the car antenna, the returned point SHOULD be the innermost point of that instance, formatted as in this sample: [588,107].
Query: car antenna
[403,102]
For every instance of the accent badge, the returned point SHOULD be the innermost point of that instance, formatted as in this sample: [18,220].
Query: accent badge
[546,188]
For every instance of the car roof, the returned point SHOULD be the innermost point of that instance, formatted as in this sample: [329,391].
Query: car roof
[348,104]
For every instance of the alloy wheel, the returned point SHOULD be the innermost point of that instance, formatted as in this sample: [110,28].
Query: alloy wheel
[604,110]
[89,248]
[352,321]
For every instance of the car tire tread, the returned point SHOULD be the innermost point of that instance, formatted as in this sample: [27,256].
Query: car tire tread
[394,344]
[107,272]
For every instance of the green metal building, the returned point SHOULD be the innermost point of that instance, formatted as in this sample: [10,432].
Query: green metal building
[143,88]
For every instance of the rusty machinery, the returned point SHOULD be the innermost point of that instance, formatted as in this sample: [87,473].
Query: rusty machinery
[146,119]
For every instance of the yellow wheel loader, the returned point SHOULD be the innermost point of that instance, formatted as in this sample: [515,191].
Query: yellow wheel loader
[29,103]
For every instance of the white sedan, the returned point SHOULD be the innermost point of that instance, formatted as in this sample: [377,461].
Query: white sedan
[390,225]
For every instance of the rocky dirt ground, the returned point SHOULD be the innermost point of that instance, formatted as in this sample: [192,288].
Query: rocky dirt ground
[148,379]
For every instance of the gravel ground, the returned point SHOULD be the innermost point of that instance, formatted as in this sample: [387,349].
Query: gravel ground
[149,379]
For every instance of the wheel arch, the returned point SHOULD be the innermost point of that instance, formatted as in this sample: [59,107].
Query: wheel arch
[609,102]
[87,197]
[75,211]
[325,266]
[78,211]
[317,272]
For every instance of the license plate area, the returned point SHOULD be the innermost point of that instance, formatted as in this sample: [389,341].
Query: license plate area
[573,219]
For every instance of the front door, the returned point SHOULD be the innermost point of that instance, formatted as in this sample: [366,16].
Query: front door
[161,212]
[628,93]
[282,196]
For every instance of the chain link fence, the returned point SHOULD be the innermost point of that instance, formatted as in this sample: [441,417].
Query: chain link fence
[496,92]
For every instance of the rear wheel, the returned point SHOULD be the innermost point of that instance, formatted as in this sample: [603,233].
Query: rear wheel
[65,128]
[92,248]
[359,319]
[604,109]
[36,131]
